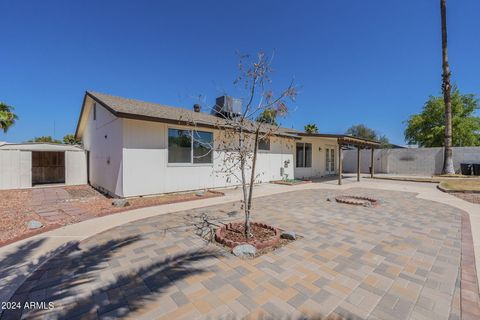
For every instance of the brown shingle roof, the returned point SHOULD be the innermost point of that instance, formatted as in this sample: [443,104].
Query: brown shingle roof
[136,109]
[124,106]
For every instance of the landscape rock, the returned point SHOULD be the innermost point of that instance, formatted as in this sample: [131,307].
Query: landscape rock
[120,203]
[34,224]
[232,213]
[289,235]
[245,251]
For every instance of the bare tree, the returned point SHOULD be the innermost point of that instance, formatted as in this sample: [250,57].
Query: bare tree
[447,89]
[254,78]
[240,134]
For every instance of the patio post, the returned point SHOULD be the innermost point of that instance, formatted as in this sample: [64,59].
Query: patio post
[339,163]
[372,164]
[358,163]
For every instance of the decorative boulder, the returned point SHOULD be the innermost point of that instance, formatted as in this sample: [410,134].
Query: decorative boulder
[34,224]
[289,235]
[232,213]
[120,203]
[245,251]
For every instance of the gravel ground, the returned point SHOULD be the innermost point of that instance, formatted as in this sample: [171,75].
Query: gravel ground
[470,197]
[15,212]
[16,209]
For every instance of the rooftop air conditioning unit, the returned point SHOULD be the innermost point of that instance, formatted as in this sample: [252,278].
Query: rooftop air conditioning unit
[226,106]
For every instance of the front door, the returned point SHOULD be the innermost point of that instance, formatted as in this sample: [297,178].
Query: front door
[329,160]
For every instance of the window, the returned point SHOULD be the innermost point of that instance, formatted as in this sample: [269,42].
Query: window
[304,155]
[202,147]
[179,146]
[94,111]
[308,155]
[187,146]
[264,144]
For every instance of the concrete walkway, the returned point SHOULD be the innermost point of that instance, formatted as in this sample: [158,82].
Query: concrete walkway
[20,259]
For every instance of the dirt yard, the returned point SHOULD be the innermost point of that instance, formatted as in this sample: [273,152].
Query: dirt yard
[468,196]
[58,206]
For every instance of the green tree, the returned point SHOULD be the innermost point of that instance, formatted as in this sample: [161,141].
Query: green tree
[7,117]
[311,128]
[427,129]
[268,116]
[364,132]
[70,139]
[48,139]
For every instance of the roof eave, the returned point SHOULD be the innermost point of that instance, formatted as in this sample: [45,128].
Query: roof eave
[343,138]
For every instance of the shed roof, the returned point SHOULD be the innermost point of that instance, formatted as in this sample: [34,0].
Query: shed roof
[40,146]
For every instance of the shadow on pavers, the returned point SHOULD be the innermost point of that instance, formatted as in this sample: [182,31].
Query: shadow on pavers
[62,280]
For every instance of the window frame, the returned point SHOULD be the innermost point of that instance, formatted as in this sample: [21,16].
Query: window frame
[191,163]
[304,154]
[268,141]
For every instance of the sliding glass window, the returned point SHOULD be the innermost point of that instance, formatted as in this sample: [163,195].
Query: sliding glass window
[190,147]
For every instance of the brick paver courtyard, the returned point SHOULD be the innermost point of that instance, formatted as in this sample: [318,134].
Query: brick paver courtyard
[400,260]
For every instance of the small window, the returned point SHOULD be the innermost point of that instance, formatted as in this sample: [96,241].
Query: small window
[264,144]
[304,155]
[94,111]
[187,146]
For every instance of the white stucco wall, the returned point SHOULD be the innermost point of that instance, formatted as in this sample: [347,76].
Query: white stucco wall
[146,169]
[15,169]
[75,167]
[414,161]
[103,138]
[25,169]
[318,168]
[380,157]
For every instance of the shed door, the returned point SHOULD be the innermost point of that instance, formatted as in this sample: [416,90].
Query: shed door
[48,167]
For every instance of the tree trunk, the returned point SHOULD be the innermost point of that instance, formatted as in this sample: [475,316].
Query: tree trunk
[252,177]
[447,89]
[244,184]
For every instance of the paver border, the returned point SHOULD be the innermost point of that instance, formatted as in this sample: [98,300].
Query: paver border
[469,291]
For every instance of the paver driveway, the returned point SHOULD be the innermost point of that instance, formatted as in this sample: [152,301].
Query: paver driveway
[396,261]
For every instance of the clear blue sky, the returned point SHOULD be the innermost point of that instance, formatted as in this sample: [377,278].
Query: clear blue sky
[373,62]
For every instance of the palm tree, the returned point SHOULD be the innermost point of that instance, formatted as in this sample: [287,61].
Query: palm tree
[447,90]
[311,128]
[7,117]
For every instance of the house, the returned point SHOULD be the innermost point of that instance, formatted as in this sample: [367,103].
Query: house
[24,165]
[137,148]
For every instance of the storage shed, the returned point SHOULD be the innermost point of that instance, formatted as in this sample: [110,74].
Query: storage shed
[29,164]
